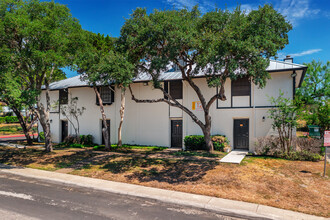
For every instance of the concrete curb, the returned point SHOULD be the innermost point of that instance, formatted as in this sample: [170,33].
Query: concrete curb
[248,210]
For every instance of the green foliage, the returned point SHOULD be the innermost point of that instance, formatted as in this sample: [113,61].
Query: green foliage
[86,140]
[12,129]
[284,119]
[300,155]
[102,61]
[314,94]
[37,40]
[308,149]
[2,120]
[75,145]
[194,142]
[216,42]
[220,143]
[11,119]
[197,142]
[42,136]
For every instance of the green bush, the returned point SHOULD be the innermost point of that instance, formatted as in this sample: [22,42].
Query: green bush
[300,155]
[11,119]
[307,149]
[86,140]
[42,136]
[220,143]
[194,142]
[197,142]
[2,120]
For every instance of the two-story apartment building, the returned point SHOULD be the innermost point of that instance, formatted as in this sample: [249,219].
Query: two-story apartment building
[242,117]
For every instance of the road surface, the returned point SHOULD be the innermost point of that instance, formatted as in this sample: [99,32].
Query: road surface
[28,198]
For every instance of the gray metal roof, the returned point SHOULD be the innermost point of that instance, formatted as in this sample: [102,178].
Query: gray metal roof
[76,81]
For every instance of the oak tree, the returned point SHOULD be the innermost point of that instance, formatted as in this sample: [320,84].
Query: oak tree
[38,39]
[220,44]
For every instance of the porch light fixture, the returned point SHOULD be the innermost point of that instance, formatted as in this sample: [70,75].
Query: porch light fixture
[263,118]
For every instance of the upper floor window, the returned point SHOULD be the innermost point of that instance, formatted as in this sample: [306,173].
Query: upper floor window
[241,87]
[175,89]
[107,95]
[63,96]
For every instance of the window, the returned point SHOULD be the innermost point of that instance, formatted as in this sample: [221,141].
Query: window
[241,87]
[175,89]
[107,95]
[63,96]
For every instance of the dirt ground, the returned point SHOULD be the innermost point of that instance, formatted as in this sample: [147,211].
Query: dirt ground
[293,185]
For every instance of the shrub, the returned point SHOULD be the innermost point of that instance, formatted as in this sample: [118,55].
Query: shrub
[11,119]
[86,140]
[220,143]
[2,120]
[309,144]
[307,149]
[197,142]
[194,142]
[41,136]
[71,139]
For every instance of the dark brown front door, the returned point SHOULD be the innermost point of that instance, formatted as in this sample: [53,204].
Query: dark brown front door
[176,133]
[108,124]
[65,129]
[241,134]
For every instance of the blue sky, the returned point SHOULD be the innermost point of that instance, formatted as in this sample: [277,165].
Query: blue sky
[309,39]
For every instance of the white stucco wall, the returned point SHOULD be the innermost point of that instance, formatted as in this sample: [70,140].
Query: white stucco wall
[149,123]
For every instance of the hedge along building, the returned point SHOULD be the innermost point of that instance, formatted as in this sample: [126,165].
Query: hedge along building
[241,118]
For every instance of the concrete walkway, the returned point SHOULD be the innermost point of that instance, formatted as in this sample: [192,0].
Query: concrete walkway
[250,210]
[236,156]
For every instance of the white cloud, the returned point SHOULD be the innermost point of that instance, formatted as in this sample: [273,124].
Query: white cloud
[306,52]
[294,10]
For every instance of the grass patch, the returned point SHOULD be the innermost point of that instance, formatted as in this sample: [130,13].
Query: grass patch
[126,148]
[293,185]
[10,129]
[198,154]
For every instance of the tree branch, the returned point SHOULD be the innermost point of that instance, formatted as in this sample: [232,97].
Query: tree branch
[175,104]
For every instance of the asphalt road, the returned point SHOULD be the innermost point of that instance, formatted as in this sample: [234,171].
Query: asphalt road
[27,198]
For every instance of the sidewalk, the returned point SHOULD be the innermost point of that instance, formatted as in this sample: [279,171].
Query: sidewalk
[207,202]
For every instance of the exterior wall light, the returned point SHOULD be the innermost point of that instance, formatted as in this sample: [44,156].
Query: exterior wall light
[145,83]
[263,118]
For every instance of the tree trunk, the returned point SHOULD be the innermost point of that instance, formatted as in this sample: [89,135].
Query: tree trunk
[105,129]
[43,115]
[122,111]
[207,132]
[44,121]
[23,125]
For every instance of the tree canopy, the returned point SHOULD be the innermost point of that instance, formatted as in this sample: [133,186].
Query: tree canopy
[37,39]
[220,44]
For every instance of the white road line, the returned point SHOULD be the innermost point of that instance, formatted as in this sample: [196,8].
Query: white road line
[17,195]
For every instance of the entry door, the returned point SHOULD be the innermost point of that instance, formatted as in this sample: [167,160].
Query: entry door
[176,133]
[108,124]
[65,129]
[241,134]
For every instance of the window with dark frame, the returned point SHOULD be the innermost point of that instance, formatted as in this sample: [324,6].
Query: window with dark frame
[241,87]
[63,96]
[107,95]
[175,89]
